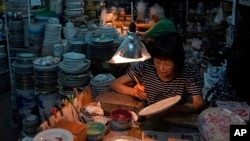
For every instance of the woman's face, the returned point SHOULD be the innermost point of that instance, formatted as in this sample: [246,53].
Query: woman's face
[164,67]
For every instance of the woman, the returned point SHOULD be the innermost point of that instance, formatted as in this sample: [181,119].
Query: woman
[163,76]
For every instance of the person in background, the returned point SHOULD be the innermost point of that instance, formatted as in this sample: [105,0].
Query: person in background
[161,25]
[163,76]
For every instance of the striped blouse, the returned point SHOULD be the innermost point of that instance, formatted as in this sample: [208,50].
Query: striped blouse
[187,83]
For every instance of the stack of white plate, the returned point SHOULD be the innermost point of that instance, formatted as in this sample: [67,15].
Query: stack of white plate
[74,70]
[74,8]
[74,63]
[100,83]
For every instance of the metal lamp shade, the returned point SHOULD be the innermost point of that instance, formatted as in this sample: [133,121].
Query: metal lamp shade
[130,50]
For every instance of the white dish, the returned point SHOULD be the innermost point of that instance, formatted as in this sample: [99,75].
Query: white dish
[160,106]
[214,123]
[54,134]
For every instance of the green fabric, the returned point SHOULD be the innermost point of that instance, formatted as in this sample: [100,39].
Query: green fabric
[161,27]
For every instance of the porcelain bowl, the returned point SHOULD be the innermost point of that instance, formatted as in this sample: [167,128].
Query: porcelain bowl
[121,119]
[95,131]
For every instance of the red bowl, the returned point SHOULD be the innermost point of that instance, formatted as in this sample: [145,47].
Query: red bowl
[121,115]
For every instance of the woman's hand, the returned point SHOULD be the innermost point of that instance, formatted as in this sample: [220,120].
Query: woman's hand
[139,92]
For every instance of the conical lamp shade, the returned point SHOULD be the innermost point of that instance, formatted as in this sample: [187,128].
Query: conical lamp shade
[130,50]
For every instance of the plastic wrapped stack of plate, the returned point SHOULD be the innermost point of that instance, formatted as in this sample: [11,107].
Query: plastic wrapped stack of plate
[52,35]
[45,69]
[100,83]
[74,70]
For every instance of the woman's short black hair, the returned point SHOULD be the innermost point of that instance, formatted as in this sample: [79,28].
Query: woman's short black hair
[169,46]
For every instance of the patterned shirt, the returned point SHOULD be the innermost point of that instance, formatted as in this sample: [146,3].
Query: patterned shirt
[187,83]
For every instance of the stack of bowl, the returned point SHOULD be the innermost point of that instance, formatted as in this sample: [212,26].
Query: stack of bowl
[100,83]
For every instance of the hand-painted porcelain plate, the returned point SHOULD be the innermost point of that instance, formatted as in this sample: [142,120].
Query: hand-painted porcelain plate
[124,138]
[214,123]
[160,106]
[54,134]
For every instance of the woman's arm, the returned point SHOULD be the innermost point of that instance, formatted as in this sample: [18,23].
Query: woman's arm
[125,85]
[195,106]
[191,107]
[121,85]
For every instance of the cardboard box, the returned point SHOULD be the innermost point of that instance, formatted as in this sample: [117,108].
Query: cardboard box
[78,130]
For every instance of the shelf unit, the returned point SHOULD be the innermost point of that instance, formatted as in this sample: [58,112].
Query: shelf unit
[13,7]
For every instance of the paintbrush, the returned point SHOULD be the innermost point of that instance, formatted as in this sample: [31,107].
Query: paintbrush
[136,79]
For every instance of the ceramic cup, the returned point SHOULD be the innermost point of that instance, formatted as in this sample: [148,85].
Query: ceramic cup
[58,50]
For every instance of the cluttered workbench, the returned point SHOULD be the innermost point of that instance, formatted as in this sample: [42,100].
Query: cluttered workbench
[70,119]
[179,126]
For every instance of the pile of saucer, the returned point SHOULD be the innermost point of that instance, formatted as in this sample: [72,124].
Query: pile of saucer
[100,83]
[74,63]
[30,125]
[45,70]
[23,70]
[74,70]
